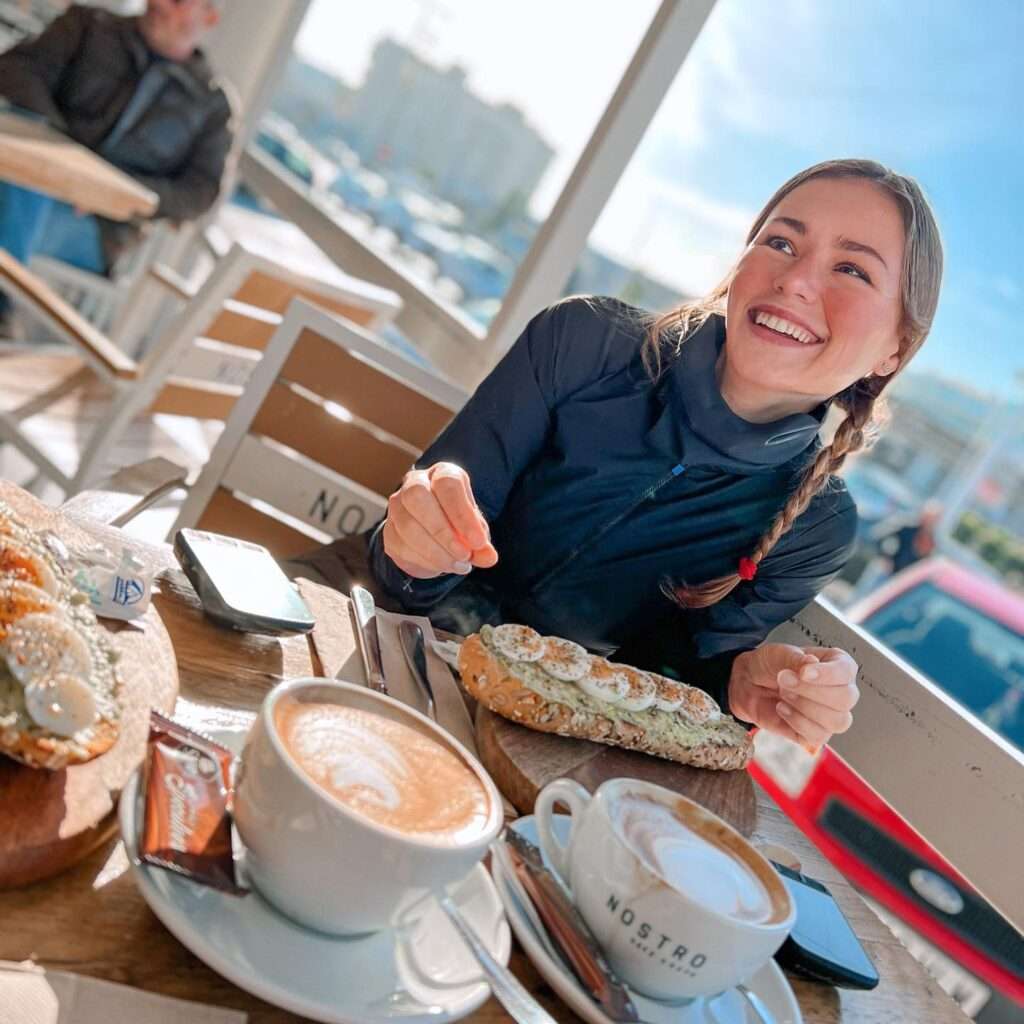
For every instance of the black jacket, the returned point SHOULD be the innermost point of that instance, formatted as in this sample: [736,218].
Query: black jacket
[601,486]
[166,123]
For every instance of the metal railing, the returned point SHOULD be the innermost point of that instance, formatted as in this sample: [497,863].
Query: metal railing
[444,334]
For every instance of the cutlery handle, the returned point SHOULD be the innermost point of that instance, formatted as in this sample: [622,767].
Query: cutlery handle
[365,613]
[756,1004]
[413,647]
[506,987]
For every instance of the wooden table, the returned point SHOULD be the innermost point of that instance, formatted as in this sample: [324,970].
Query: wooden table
[92,920]
[36,156]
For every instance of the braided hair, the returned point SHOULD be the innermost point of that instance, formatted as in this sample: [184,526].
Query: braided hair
[920,280]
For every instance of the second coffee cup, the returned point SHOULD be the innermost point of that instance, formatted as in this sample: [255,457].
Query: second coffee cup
[353,807]
[682,905]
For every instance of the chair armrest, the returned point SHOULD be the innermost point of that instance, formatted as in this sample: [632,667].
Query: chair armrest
[127,493]
[217,241]
[172,281]
[97,347]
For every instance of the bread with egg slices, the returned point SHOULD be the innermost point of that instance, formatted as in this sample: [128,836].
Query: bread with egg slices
[60,701]
[554,685]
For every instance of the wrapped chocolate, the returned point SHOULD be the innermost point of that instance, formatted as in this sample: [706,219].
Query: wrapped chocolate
[187,820]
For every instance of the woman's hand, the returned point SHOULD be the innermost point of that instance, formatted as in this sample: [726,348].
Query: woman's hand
[806,694]
[434,526]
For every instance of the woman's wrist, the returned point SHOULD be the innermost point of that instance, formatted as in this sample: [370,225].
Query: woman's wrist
[739,684]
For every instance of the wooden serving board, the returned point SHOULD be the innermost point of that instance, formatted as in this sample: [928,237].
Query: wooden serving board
[523,761]
[49,821]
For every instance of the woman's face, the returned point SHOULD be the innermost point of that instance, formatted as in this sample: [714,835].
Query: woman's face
[826,268]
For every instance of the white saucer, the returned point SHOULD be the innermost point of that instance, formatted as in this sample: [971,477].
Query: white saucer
[769,983]
[421,971]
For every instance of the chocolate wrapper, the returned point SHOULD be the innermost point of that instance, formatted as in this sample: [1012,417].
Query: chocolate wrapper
[187,821]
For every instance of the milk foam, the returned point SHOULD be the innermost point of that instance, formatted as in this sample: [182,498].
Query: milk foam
[689,862]
[384,770]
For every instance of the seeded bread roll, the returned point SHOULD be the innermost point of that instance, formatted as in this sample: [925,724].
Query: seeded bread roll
[694,732]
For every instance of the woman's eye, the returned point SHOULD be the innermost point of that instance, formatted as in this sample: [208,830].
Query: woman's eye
[854,271]
[779,243]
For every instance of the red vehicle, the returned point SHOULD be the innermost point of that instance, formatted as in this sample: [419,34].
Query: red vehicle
[967,634]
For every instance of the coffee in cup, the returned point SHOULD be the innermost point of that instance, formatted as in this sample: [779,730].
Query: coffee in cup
[353,807]
[698,862]
[384,770]
[681,903]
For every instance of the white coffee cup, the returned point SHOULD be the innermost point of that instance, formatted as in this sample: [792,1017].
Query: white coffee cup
[317,859]
[683,908]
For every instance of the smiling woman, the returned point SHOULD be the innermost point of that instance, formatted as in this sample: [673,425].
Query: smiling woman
[653,487]
[835,292]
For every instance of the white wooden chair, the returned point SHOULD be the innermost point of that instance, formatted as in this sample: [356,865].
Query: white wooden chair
[198,367]
[99,298]
[329,423]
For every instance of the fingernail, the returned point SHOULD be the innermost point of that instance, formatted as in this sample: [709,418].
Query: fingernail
[783,709]
[810,674]
[462,567]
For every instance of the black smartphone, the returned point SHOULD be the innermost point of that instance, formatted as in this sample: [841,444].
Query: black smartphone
[822,945]
[240,585]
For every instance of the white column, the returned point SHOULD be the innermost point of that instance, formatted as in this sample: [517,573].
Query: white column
[250,47]
[561,239]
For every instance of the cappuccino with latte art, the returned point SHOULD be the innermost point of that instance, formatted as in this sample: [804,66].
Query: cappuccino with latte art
[384,770]
[681,904]
[698,864]
[353,808]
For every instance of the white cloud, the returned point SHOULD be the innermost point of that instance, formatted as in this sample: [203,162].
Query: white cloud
[842,77]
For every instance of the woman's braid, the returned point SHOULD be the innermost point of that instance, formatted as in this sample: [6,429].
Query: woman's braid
[851,435]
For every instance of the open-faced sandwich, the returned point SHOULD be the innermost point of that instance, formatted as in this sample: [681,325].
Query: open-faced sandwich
[554,685]
[59,691]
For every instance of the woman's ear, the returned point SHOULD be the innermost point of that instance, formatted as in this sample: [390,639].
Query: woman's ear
[886,367]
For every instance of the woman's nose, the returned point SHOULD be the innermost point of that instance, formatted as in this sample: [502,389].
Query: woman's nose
[799,280]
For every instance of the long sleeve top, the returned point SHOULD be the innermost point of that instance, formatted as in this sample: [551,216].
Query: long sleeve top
[603,488]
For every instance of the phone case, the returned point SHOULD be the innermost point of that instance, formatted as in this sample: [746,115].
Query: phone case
[240,585]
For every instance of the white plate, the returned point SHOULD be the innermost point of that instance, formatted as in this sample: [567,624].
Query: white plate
[419,971]
[769,983]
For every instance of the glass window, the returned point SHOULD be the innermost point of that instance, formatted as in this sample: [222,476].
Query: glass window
[443,132]
[973,657]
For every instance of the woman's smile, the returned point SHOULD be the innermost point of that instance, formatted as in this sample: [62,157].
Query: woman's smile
[780,327]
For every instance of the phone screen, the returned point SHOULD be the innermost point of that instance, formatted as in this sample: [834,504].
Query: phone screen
[822,941]
[242,582]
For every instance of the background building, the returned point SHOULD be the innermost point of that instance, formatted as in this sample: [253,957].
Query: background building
[480,156]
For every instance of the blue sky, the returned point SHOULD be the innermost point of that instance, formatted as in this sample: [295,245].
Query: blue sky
[934,88]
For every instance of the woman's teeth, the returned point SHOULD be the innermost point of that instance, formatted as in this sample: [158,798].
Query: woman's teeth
[777,324]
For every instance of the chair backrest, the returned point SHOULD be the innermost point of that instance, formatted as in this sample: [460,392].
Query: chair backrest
[239,307]
[200,364]
[330,421]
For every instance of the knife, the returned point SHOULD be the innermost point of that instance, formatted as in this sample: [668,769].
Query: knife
[411,637]
[568,930]
[365,613]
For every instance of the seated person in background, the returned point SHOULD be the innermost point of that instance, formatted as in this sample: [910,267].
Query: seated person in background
[138,92]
